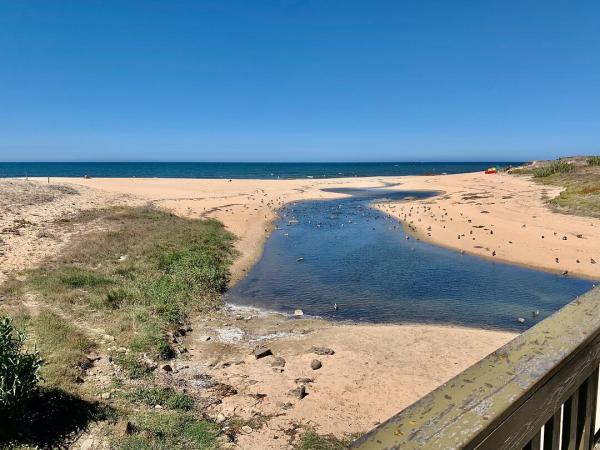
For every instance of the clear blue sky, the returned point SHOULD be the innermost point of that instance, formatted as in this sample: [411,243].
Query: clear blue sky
[295,80]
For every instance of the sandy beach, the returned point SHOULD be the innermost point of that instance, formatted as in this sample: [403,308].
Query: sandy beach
[497,216]
[375,371]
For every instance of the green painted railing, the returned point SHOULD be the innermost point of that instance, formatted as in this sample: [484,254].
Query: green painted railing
[537,392]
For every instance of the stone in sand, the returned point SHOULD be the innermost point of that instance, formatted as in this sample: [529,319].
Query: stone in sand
[298,312]
[299,392]
[315,364]
[278,361]
[261,352]
[322,350]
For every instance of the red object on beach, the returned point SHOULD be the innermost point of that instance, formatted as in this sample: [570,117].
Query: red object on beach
[491,170]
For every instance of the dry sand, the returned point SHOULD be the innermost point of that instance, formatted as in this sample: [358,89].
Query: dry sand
[510,211]
[376,370]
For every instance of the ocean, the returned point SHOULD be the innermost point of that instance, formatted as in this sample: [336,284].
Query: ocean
[238,170]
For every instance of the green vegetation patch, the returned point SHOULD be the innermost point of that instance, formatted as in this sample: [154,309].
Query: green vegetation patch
[137,277]
[62,345]
[593,160]
[553,168]
[162,396]
[314,441]
[581,180]
[170,430]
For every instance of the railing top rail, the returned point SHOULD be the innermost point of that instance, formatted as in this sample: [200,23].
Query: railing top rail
[479,399]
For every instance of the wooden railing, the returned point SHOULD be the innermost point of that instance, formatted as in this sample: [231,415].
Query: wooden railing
[537,392]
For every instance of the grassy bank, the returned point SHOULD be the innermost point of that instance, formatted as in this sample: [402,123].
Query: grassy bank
[125,288]
[579,176]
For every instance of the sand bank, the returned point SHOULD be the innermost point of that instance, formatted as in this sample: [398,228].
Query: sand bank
[499,216]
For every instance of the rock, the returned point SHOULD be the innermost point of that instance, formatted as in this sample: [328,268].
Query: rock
[521,320]
[123,428]
[299,392]
[315,364]
[167,368]
[261,352]
[205,338]
[158,407]
[278,361]
[303,380]
[246,429]
[220,418]
[322,351]
[105,395]
[298,312]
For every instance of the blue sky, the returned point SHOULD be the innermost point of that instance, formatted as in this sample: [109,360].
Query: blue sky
[294,80]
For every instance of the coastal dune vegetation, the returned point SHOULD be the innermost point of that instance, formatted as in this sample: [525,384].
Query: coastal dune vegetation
[580,177]
[101,322]
[128,285]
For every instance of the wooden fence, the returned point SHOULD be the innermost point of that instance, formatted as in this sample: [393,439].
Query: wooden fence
[537,392]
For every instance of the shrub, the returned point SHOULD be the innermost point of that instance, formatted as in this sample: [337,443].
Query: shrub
[19,369]
[594,160]
[552,168]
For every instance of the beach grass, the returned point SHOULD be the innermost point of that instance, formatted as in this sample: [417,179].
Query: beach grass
[311,440]
[581,181]
[169,430]
[130,282]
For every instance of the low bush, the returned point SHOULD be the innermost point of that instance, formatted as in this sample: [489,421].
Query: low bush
[19,368]
[593,160]
[552,168]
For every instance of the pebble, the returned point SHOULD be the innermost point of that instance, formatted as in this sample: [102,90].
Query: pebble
[299,392]
[261,352]
[315,364]
[278,361]
[322,350]
[246,429]
[298,312]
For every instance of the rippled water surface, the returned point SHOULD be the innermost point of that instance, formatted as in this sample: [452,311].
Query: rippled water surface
[344,252]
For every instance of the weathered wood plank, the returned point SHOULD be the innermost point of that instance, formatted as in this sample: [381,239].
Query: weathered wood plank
[535,443]
[552,432]
[569,430]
